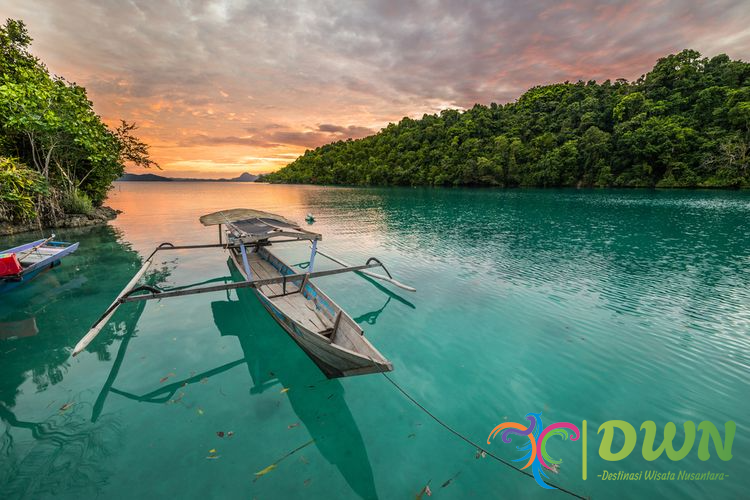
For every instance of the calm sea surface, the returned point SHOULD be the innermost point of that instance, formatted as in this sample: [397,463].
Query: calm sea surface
[582,305]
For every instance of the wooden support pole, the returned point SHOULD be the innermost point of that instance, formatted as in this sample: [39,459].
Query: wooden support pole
[312,256]
[245,264]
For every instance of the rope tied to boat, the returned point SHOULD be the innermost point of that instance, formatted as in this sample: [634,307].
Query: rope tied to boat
[466,439]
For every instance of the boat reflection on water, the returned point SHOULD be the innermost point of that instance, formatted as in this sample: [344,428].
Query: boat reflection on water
[371,317]
[22,322]
[319,403]
[26,327]
[272,360]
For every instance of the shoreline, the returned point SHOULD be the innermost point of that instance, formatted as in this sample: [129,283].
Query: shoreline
[98,216]
[483,187]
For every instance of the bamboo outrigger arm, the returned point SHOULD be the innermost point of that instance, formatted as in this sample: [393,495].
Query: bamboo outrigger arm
[128,293]
[388,278]
[104,318]
[240,284]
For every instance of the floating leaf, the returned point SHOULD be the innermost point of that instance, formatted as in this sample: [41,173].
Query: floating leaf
[285,389]
[425,491]
[178,398]
[266,470]
[449,481]
[277,462]
[212,450]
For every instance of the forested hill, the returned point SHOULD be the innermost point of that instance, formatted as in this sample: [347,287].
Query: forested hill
[684,124]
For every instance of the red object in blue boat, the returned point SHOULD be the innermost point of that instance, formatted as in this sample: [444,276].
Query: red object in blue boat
[9,265]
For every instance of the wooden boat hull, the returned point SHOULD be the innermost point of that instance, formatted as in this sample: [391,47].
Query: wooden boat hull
[333,360]
[46,257]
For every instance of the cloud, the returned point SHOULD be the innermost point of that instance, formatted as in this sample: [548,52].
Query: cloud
[276,135]
[205,140]
[226,74]
[350,132]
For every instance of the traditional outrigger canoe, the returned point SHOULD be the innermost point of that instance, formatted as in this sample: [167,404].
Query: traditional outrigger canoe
[34,258]
[329,336]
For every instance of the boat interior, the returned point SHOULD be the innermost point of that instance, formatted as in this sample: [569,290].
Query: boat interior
[310,306]
[38,255]
[289,295]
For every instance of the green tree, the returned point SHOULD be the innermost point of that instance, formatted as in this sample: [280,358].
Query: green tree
[51,124]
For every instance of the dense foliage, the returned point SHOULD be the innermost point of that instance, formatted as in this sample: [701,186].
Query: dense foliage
[21,189]
[55,151]
[686,123]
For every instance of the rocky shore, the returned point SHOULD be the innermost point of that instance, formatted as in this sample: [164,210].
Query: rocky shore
[97,216]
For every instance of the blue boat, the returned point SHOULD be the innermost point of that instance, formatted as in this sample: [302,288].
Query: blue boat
[35,257]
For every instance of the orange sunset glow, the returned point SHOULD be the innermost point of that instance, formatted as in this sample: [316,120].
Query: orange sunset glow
[222,87]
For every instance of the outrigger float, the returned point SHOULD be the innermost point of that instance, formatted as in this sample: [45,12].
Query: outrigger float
[329,336]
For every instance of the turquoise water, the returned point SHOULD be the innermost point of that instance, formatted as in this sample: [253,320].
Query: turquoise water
[583,305]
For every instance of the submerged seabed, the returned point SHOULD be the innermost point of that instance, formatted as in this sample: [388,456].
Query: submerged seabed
[595,305]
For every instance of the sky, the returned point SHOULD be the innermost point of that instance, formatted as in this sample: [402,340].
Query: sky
[222,87]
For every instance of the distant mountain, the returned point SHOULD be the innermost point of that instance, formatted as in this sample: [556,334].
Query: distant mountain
[245,177]
[144,178]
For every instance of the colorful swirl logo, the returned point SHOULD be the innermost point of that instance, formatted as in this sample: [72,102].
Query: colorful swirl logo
[538,435]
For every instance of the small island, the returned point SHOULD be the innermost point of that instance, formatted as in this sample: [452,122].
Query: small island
[244,177]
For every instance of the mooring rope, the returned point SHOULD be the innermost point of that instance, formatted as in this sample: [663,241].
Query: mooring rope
[478,447]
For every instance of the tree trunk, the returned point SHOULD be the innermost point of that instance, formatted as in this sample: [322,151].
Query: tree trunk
[47,160]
